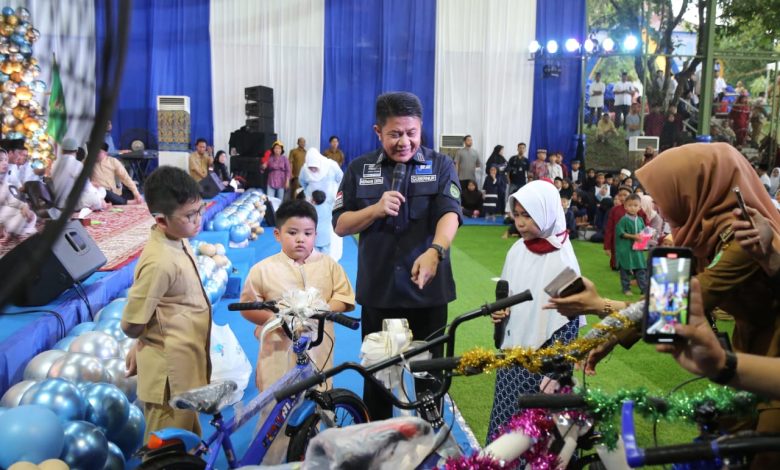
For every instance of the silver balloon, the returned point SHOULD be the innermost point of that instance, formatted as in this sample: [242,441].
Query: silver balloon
[115,460]
[116,369]
[86,447]
[96,343]
[14,394]
[78,367]
[113,328]
[23,13]
[38,367]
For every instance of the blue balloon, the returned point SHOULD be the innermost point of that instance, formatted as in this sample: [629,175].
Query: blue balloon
[32,433]
[8,11]
[111,311]
[108,407]
[113,327]
[221,223]
[116,459]
[210,226]
[64,343]
[239,233]
[82,328]
[86,446]
[59,395]
[18,39]
[131,436]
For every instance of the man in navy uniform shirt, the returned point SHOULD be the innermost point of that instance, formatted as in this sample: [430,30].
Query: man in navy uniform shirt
[404,268]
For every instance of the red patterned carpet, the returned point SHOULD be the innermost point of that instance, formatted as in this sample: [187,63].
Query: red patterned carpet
[120,233]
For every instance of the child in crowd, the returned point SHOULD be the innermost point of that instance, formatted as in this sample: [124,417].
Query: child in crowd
[471,200]
[558,182]
[532,262]
[539,168]
[605,128]
[324,216]
[654,219]
[590,180]
[630,261]
[554,168]
[571,222]
[296,267]
[167,309]
[567,188]
[16,217]
[495,193]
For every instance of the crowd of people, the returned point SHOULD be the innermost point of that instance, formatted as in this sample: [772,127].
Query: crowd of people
[682,197]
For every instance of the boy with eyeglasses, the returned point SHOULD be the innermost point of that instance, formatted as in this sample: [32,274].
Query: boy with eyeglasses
[167,309]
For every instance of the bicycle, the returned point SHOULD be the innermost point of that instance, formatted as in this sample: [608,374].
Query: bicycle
[426,403]
[304,411]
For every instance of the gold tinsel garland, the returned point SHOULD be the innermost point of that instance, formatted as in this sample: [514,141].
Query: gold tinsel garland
[484,360]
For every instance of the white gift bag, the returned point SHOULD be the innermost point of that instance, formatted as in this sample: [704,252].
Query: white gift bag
[228,359]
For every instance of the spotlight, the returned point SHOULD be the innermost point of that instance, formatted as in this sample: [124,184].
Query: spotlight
[608,44]
[630,43]
[534,47]
[552,46]
[572,45]
[589,45]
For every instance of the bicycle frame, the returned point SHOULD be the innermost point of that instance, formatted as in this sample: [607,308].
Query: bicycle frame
[274,423]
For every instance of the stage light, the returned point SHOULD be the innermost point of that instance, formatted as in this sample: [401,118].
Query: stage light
[572,45]
[630,43]
[552,46]
[534,47]
[608,44]
[589,45]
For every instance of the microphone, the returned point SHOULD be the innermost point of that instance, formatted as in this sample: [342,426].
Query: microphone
[399,175]
[502,292]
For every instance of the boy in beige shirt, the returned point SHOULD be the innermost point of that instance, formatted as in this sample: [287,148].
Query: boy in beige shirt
[296,267]
[167,309]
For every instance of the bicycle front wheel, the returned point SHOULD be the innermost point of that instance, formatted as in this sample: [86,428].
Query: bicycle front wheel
[348,409]
[177,461]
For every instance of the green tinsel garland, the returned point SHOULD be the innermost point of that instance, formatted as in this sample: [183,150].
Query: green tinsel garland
[605,408]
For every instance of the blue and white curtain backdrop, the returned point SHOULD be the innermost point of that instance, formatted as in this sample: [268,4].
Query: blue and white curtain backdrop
[327,60]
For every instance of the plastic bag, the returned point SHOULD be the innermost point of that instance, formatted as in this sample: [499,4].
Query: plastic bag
[383,445]
[228,359]
[645,236]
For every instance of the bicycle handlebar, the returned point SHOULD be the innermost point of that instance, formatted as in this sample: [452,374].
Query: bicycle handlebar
[368,372]
[270,305]
[728,446]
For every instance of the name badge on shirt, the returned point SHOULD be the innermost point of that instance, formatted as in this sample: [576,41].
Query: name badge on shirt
[423,178]
[372,170]
[426,169]
[371,181]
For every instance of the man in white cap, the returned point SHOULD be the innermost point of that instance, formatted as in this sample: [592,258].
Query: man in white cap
[625,173]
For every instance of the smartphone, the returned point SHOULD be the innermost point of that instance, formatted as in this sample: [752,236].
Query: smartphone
[668,294]
[566,283]
[741,203]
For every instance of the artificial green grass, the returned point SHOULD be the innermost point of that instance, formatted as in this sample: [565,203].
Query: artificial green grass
[478,254]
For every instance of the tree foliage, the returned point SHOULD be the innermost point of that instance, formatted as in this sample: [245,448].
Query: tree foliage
[739,16]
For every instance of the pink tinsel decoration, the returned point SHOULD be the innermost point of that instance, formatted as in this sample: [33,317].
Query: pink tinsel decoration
[476,462]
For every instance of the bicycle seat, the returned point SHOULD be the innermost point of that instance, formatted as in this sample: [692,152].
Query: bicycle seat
[209,399]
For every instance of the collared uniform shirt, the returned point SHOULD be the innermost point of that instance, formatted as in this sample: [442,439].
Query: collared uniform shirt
[168,297]
[389,246]
[106,173]
[199,165]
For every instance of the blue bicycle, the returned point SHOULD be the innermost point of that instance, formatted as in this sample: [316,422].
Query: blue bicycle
[305,413]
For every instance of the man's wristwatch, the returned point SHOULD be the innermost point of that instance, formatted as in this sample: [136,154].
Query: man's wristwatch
[729,370]
[439,251]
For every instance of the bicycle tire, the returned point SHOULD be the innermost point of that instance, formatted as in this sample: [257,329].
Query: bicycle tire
[178,461]
[342,399]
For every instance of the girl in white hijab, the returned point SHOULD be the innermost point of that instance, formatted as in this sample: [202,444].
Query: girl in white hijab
[322,174]
[774,180]
[532,263]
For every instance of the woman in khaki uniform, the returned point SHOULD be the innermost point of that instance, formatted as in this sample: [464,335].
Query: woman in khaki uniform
[692,187]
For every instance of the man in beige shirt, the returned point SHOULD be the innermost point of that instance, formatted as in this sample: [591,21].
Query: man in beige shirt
[105,175]
[200,160]
[167,309]
[334,152]
[297,159]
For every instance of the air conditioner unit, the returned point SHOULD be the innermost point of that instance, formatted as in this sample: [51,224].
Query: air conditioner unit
[639,142]
[454,141]
[173,123]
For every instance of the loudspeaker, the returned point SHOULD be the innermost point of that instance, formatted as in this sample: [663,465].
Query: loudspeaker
[259,109]
[73,257]
[261,125]
[248,168]
[210,186]
[259,93]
